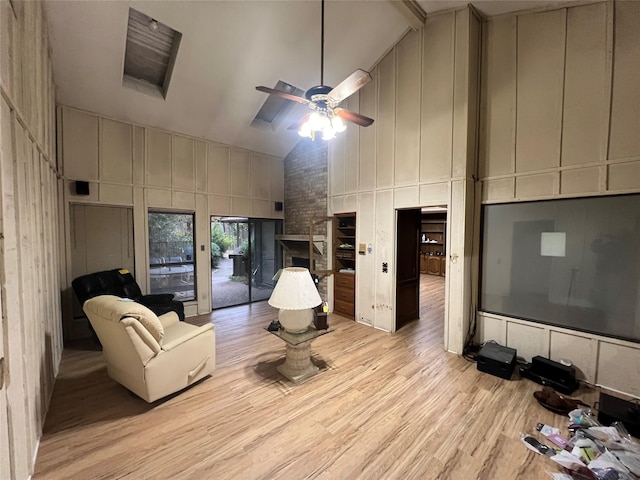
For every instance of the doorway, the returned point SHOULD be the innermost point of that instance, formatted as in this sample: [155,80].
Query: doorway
[421,261]
[245,256]
[407,265]
[101,239]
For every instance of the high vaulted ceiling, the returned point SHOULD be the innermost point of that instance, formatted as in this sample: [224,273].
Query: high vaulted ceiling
[227,48]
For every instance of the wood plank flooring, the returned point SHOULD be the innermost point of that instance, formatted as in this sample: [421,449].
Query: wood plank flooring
[383,407]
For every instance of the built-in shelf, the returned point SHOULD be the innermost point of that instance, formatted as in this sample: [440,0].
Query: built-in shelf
[344,264]
[433,243]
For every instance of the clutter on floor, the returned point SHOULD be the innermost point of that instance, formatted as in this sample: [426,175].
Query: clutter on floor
[590,450]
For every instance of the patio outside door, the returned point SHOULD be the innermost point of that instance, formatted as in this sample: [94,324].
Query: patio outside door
[244,258]
[266,259]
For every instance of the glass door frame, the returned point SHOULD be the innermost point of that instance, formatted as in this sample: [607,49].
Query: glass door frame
[252,225]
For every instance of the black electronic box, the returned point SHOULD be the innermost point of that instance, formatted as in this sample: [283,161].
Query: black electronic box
[611,409]
[496,360]
[547,372]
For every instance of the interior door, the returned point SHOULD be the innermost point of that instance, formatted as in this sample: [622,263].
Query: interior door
[407,267]
[101,239]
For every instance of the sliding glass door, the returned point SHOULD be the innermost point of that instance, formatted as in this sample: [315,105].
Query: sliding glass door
[265,257]
[244,258]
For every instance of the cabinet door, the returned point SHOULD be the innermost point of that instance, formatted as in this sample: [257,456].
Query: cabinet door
[433,267]
[423,264]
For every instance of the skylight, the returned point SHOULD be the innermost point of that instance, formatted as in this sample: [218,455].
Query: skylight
[275,109]
[150,54]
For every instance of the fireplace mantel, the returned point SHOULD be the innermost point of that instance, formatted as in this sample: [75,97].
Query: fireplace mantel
[298,242]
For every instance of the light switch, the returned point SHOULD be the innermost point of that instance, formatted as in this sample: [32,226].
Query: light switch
[362,248]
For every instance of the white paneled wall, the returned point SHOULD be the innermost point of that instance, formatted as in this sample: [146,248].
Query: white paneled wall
[560,118]
[147,168]
[422,98]
[407,142]
[31,330]
[539,87]
[624,141]
[567,82]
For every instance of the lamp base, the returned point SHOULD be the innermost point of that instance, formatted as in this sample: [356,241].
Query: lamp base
[296,321]
[298,366]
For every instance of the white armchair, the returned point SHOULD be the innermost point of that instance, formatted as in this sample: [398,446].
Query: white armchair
[151,356]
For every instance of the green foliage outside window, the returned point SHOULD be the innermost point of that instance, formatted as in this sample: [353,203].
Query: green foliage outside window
[220,243]
[170,236]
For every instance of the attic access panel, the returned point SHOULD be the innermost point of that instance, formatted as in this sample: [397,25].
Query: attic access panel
[150,54]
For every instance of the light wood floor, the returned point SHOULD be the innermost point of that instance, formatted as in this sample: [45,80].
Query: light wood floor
[383,407]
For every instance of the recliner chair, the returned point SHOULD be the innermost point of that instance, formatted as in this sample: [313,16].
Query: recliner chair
[151,356]
[121,283]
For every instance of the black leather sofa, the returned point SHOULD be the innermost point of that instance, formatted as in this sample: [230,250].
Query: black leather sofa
[121,283]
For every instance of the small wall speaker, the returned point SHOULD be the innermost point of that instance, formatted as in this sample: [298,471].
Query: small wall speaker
[82,188]
[278,206]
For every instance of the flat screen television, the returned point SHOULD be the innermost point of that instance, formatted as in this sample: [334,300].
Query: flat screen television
[574,263]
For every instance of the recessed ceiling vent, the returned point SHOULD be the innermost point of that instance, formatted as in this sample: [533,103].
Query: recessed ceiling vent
[150,54]
[276,109]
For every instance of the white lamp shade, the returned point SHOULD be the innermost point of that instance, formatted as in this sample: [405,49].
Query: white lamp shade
[295,290]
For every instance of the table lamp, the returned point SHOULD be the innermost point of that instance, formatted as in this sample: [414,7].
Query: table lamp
[295,295]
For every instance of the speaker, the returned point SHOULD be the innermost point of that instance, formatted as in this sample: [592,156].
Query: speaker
[278,206]
[496,360]
[547,372]
[82,188]
[612,409]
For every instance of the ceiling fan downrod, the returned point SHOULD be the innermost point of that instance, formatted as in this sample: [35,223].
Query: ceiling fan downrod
[322,45]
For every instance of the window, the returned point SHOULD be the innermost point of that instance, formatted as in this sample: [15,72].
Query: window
[171,254]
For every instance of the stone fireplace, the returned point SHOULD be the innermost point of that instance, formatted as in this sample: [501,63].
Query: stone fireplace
[305,197]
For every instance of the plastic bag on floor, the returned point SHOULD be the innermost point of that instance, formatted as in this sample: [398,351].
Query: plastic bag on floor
[608,467]
[582,417]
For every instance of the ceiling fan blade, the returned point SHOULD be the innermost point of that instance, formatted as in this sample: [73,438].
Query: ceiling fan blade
[285,95]
[298,124]
[349,86]
[353,117]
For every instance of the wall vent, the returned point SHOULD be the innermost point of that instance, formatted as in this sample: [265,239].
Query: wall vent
[150,54]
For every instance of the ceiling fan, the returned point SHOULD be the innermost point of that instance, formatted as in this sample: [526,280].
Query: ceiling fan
[326,117]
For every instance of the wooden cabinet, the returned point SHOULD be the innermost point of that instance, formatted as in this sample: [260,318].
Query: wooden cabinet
[433,243]
[423,263]
[433,265]
[344,261]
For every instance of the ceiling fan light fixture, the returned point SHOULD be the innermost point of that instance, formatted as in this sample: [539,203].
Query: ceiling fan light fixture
[328,134]
[305,130]
[323,122]
[338,125]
